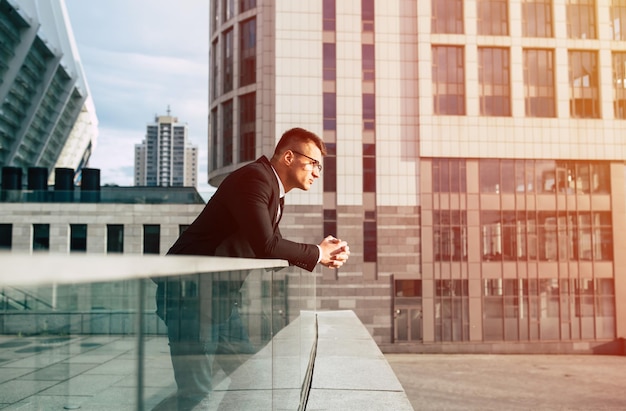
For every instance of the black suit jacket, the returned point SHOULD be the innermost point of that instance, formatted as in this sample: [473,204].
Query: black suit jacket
[240,221]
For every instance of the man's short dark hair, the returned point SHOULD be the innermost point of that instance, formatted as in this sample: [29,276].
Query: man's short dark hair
[297,135]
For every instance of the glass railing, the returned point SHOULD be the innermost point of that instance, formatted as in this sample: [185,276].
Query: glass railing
[153,333]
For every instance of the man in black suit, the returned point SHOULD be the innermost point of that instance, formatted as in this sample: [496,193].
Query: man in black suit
[240,220]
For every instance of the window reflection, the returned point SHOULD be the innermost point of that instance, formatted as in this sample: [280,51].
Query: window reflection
[618,19]
[581,19]
[537,18]
[548,309]
[584,89]
[493,17]
[494,80]
[247,59]
[539,90]
[448,80]
[545,176]
[450,235]
[447,16]
[619,84]
[449,175]
[546,236]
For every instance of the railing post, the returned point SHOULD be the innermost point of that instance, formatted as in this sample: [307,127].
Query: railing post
[140,343]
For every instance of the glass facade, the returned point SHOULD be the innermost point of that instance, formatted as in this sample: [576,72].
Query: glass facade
[548,309]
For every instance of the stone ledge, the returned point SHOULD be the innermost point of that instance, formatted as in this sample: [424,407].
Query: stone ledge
[350,371]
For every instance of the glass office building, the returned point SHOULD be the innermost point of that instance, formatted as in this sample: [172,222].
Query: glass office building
[475,159]
[47,116]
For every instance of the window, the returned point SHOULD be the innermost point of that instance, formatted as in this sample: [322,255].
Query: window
[370,242]
[447,16]
[41,237]
[214,72]
[227,138]
[6,236]
[115,238]
[151,239]
[407,310]
[451,310]
[494,80]
[329,15]
[78,238]
[330,168]
[247,127]
[539,90]
[247,58]
[449,175]
[245,5]
[369,111]
[227,55]
[330,222]
[228,10]
[369,62]
[581,19]
[450,235]
[493,17]
[448,80]
[367,15]
[537,18]
[618,19]
[584,88]
[548,309]
[213,146]
[330,111]
[214,16]
[619,85]
[330,61]
[369,168]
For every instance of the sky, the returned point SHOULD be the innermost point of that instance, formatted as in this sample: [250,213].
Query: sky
[139,58]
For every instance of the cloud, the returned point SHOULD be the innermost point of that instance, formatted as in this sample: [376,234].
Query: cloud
[139,58]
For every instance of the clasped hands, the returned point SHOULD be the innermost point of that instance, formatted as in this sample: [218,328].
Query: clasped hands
[335,252]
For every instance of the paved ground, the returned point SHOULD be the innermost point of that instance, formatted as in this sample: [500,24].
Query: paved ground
[512,382]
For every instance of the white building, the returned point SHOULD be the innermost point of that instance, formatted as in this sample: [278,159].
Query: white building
[475,159]
[166,158]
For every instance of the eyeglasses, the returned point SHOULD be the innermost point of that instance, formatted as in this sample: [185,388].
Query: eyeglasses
[313,162]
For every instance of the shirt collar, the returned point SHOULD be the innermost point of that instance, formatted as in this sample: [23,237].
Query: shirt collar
[280,183]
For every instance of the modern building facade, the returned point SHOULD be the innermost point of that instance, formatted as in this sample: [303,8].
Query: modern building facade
[166,158]
[475,159]
[47,117]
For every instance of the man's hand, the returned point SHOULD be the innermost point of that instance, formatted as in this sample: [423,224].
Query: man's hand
[335,252]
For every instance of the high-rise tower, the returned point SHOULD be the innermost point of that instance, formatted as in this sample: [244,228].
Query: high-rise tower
[475,159]
[165,157]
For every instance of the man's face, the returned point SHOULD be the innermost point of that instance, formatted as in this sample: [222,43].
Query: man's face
[305,166]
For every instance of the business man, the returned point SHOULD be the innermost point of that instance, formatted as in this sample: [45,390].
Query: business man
[241,220]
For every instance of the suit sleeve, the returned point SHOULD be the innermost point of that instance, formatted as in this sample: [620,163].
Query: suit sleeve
[255,217]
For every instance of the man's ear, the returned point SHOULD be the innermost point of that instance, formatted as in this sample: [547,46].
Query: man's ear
[288,157]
